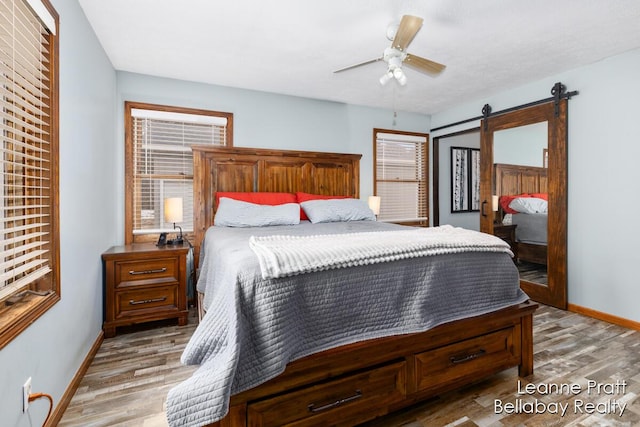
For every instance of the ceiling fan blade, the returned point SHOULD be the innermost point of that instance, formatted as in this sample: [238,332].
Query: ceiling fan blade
[424,65]
[371,61]
[409,26]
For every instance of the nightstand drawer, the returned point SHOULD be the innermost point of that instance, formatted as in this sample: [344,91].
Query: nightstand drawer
[129,303]
[133,271]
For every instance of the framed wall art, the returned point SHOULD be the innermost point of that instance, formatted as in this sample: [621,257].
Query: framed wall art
[465,179]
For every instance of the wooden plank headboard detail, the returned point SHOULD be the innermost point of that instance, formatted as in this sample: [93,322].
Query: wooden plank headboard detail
[516,179]
[256,169]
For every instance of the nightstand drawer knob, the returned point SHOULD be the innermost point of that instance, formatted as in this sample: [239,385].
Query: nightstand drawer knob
[159,270]
[146,301]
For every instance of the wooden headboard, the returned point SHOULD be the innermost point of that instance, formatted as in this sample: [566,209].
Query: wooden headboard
[255,169]
[516,179]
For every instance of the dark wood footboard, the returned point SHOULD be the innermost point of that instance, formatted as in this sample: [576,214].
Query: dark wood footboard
[358,382]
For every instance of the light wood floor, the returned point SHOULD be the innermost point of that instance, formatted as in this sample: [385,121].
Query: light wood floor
[531,272]
[128,381]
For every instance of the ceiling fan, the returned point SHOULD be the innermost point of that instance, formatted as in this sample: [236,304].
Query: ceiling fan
[396,54]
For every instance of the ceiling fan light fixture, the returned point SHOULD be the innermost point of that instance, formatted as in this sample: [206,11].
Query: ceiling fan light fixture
[394,62]
[396,54]
[386,77]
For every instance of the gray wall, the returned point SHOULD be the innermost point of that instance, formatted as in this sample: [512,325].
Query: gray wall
[603,227]
[52,349]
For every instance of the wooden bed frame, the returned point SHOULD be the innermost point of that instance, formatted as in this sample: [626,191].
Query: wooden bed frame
[517,179]
[358,382]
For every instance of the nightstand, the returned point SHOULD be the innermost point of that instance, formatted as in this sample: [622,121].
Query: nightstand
[142,283]
[508,234]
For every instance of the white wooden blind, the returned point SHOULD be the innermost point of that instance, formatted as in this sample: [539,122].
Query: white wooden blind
[25,166]
[163,163]
[401,177]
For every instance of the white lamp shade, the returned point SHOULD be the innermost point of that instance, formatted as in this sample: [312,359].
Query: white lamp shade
[173,209]
[374,204]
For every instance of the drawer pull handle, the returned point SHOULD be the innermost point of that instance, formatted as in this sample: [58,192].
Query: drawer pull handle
[158,270]
[146,301]
[312,406]
[468,357]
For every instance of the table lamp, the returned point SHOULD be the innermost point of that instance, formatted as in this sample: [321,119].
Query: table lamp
[173,213]
[374,205]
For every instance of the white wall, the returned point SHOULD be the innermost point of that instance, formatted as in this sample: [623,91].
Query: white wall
[603,226]
[267,120]
[52,349]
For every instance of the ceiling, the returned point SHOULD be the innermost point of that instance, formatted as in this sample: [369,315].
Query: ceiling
[292,47]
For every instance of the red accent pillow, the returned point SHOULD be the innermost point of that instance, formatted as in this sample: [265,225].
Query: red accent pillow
[259,198]
[505,200]
[305,197]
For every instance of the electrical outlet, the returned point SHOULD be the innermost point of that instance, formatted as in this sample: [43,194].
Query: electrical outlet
[26,391]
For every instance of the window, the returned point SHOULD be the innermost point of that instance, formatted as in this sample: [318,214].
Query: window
[400,176]
[29,241]
[159,163]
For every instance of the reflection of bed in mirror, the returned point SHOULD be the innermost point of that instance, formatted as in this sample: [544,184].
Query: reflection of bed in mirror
[531,227]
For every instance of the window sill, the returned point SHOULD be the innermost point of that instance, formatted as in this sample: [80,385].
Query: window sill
[17,317]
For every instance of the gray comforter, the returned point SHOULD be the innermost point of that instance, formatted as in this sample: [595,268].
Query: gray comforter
[254,326]
[531,228]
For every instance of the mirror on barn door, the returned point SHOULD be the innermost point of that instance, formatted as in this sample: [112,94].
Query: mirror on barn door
[524,169]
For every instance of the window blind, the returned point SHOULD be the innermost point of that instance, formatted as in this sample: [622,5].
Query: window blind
[26,163]
[401,176]
[163,163]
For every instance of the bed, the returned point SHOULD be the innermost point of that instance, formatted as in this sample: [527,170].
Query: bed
[329,380]
[516,181]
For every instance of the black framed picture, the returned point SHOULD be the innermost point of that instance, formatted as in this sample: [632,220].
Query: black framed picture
[465,179]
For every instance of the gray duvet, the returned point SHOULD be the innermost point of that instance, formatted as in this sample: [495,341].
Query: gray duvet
[254,327]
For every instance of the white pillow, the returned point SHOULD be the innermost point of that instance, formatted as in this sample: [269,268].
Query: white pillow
[337,210]
[236,213]
[529,205]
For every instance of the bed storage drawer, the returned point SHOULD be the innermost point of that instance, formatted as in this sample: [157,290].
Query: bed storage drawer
[319,405]
[468,359]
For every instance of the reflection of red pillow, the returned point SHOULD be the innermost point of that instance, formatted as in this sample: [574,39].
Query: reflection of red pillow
[505,200]
[305,197]
[259,198]
[543,196]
